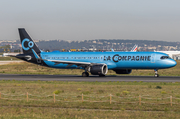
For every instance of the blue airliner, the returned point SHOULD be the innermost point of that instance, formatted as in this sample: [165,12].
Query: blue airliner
[96,63]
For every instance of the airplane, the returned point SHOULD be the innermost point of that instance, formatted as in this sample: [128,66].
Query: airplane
[96,63]
[134,49]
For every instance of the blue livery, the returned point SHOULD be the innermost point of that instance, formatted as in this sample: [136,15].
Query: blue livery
[96,63]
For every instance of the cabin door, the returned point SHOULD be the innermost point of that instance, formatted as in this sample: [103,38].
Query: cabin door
[153,57]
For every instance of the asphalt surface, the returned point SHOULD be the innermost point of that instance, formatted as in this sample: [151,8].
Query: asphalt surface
[90,78]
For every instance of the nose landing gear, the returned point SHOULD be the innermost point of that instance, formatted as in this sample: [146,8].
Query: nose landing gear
[156,73]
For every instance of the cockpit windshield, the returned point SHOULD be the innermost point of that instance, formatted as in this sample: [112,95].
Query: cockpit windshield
[165,57]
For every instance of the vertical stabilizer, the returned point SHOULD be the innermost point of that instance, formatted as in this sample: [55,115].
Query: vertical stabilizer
[134,49]
[28,45]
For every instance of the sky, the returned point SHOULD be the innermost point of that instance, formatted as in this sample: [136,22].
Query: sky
[91,19]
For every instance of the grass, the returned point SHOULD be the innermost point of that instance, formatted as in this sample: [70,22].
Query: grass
[46,113]
[41,103]
[8,58]
[29,68]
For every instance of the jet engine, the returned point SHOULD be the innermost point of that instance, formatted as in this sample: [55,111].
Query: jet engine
[123,71]
[99,69]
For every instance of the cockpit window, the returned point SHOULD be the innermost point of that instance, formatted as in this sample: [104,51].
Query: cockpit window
[165,57]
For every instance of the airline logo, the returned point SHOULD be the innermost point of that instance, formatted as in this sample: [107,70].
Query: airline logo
[27,44]
[134,49]
[117,58]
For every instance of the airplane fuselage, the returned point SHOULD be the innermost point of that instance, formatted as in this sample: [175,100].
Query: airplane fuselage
[114,60]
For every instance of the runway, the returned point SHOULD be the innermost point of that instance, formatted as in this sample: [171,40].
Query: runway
[89,79]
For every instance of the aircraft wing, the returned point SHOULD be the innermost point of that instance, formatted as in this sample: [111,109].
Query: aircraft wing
[70,63]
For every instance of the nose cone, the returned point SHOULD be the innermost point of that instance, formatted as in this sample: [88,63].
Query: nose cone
[172,63]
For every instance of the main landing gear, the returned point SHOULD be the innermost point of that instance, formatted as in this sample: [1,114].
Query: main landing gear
[85,74]
[156,73]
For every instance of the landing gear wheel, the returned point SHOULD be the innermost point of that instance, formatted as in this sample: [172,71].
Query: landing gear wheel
[85,74]
[156,75]
[102,75]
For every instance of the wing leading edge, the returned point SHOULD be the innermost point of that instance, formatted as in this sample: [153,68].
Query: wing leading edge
[70,63]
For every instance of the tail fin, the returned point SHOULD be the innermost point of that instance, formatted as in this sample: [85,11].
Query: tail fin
[134,49]
[28,45]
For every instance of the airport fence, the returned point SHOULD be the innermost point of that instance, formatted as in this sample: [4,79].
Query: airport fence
[144,99]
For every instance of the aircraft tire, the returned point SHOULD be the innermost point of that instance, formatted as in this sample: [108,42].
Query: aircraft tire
[85,74]
[156,75]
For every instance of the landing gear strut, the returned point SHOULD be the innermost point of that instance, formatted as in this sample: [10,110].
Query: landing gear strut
[156,73]
[85,74]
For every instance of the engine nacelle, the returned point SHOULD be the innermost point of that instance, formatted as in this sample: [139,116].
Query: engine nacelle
[100,69]
[123,71]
